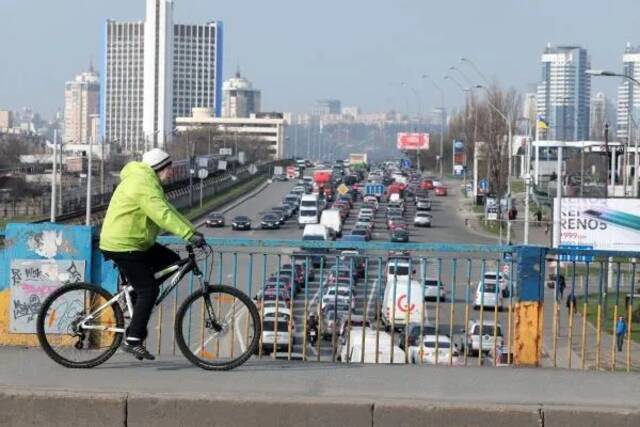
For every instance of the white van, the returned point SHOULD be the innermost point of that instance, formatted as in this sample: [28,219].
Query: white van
[403,302]
[376,343]
[307,215]
[398,267]
[309,201]
[331,219]
[316,232]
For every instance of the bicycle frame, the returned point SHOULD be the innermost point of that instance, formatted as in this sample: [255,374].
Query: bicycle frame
[181,269]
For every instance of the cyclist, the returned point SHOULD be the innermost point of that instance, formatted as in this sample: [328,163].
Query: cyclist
[137,212]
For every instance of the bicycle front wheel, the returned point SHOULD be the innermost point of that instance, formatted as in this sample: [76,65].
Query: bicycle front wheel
[76,326]
[218,328]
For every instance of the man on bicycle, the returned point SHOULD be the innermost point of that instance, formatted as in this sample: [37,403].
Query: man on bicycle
[138,211]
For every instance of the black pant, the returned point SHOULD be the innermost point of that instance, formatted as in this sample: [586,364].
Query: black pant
[620,341]
[139,267]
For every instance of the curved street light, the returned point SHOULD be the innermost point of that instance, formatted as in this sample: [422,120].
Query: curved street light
[442,118]
[475,68]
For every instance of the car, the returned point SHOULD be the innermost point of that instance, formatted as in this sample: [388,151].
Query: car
[488,294]
[435,349]
[279,177]
[399,235]
[423,204]
[241,222]
[505,282]
[441,191]
[366,213]
[277,336]
[422,219]
[288,209]
[333,320]
[281,212]
[371,199]
[394,211]
[413,331]
[338,294]
[283,313]
[273,294]
[300,261]
[270,221]
[434,290]
[426,184]
[365,232]
[352,259]
[477,339]
[364,222]
[292,199]
[396,224]
[296,271]
[215,219]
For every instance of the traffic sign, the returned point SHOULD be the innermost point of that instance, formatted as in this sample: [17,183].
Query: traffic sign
[343,189]
[405,164]
[573,257]
[484,185]
[374,189]
[203,173]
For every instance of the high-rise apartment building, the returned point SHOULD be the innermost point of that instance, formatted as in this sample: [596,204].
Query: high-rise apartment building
[240,99]
[565,92]
[6,120]
[629,93]
[81,102]
[156,71]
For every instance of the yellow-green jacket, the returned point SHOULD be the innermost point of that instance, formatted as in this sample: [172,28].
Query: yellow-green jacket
[138,211]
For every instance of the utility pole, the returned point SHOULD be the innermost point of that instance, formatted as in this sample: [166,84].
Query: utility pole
[102,172]
[89,172]
[190,154]
[54,176]
[606,162]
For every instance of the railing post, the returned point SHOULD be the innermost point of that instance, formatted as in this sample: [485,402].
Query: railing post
[529,321]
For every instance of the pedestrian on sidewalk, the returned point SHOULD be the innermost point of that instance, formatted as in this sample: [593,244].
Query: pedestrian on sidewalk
[539,217]
[621,330]
[571,301]
[562,284]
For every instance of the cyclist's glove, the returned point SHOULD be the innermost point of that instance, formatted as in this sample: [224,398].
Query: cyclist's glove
[198,240]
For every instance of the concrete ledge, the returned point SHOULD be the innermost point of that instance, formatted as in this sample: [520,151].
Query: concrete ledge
[21,407]
[405,414]
[61,408]
[589,416]
[160,411]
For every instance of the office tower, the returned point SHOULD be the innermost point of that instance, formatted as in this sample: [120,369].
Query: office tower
[564,93]
[602,112]
[240,99]
[81,102]
[629,94]
[325,107]
[156,71]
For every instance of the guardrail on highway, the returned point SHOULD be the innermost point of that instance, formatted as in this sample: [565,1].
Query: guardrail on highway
[422,303]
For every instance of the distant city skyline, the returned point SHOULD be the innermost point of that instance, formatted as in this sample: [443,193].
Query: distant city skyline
[296,58]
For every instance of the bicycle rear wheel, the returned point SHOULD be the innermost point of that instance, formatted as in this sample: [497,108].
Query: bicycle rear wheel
[224,340]
[61,334]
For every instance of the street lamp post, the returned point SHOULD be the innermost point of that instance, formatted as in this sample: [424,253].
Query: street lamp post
[417,95]
[442,113]
[509,148]
[604,73]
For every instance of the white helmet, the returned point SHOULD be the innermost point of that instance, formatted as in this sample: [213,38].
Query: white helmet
[156,159]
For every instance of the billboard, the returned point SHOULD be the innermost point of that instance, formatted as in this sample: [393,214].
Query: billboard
[413,141]
[608,224]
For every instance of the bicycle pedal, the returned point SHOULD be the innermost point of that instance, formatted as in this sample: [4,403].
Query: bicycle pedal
[140,358]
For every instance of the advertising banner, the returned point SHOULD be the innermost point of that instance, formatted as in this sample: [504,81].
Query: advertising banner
[413,141]
[608,224]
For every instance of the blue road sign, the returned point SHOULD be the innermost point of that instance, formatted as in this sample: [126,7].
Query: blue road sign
[405,164]
[374,189]
[484,185]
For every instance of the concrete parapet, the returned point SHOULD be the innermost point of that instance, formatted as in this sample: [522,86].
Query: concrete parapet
[23,407]
[20,407]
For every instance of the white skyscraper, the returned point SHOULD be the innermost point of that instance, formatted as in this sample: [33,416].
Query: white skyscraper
[157,118]
[564,93]
[155,71]
[629,93]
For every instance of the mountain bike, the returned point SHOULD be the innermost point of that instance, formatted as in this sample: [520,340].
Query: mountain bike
[217,327]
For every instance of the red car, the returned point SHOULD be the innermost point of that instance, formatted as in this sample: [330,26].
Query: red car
[441,191]
[426,184]
[394,224]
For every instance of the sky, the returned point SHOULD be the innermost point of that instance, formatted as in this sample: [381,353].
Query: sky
[358,51]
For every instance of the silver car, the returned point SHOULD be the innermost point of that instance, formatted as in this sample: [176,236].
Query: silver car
[422,219]
[423,204]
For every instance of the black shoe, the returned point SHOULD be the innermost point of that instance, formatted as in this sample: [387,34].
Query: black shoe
[138,350]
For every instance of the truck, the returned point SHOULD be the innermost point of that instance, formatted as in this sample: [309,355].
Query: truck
[358,159]
[278,170]
[322,180]
[292,172]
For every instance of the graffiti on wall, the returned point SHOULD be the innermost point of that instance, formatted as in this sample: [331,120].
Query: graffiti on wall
[31,281]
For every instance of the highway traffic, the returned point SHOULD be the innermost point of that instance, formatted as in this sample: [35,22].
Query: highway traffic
[355,306]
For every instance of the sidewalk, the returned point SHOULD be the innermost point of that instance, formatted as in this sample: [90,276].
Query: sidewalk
[488,395]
